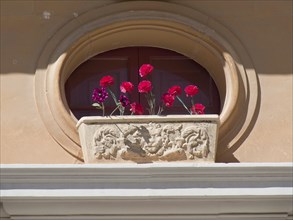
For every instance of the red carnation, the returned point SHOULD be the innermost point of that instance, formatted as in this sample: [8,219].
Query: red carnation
[144,86]
[175,90]
[191,90]
[126,87]
[168,99]
[136,108]
[198,109]
[107,81]
[145,70]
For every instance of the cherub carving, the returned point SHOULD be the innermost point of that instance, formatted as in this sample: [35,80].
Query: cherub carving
[106,143]
[155,141]
[151,142]
[196,142]
[133,139]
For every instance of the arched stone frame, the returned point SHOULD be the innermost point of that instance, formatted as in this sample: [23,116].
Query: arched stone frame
[145,23]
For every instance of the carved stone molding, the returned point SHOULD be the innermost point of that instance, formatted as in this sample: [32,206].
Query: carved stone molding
[165,191]
[149,138]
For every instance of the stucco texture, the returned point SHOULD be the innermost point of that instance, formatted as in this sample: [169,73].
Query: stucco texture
[264,29]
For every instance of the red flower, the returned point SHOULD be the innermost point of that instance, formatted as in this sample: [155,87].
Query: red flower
[136,108]
[168,99]
[191,90]
[126,87]
[144,86]
[198,109]
[107,81]
[145,70]
[175,90]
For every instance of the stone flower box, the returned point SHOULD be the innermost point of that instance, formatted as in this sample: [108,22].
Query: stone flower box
[145,139]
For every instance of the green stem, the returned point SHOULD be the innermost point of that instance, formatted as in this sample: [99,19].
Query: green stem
[117,103]
[121,109]
[192,104]
[103,108]
[113,96]
[150,103]
[160,110]
[153,100]
[180,100]
[114,110]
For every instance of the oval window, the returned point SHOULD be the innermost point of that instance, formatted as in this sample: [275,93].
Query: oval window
[170,68]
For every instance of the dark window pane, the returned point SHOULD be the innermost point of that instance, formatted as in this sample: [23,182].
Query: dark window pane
[171,69]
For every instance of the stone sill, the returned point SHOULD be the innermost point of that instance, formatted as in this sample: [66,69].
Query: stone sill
[147,191]
[147,118]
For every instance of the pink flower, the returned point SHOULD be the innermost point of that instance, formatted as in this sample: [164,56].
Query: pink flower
[168,99]
[99,95]
[136,108]
[145,70]
[144,86]
[175,90]
[126,87]
[198,109]
[107,81]
[191,90]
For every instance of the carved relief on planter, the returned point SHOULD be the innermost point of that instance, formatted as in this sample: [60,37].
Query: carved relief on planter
[148,139]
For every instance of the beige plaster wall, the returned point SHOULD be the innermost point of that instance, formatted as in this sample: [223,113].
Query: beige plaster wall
[263,27]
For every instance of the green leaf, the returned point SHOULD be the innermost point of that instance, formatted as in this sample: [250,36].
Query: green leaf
[97,105]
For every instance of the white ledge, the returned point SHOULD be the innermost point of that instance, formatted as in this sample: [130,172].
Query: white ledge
[190,190]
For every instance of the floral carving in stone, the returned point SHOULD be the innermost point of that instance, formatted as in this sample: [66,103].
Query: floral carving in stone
[152,141]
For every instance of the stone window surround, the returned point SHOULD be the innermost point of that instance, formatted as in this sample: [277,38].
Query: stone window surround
[145,23]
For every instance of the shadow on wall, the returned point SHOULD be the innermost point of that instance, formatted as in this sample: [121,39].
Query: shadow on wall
[21,59]
[226,155]
[27,26]
[270,49]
